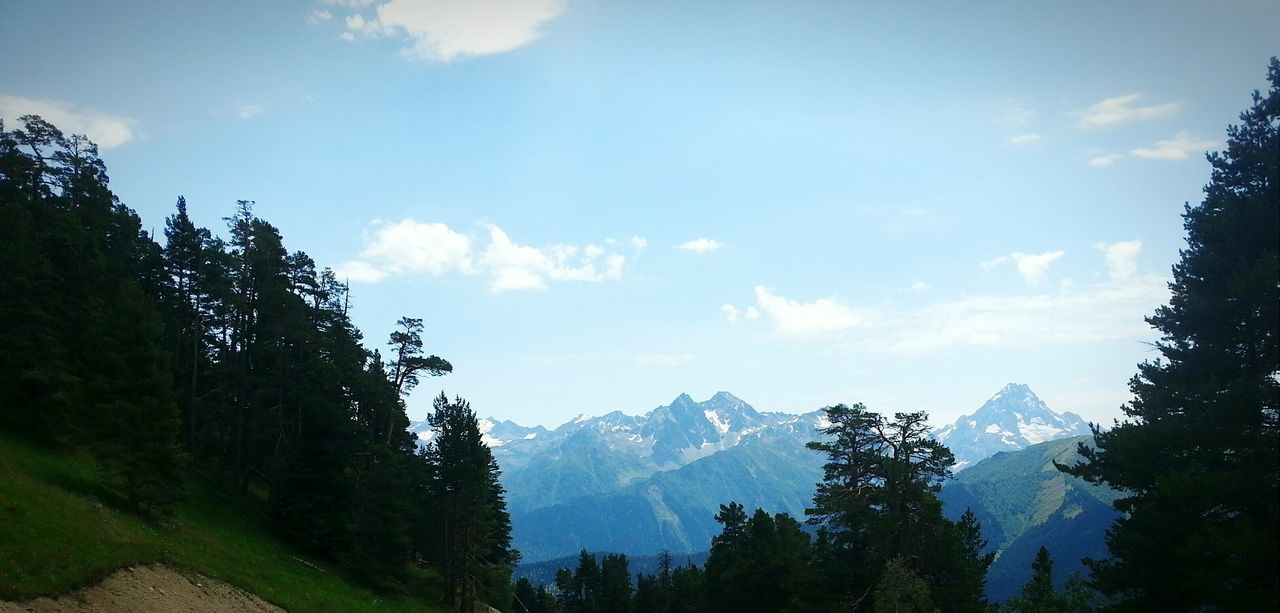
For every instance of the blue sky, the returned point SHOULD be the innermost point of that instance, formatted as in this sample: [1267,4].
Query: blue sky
[596,206]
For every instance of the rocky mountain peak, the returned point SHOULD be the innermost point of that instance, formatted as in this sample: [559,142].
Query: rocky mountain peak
[1012,419]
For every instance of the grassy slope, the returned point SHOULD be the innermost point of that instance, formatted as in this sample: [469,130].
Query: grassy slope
[58,532]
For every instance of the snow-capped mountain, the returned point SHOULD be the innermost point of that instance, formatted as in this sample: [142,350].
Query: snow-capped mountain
[1012,419]
[663,474]
[493,433]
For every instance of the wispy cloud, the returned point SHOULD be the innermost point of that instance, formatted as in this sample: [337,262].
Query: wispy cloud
[733,313]
[249,111]
[1122,258]
[666,359]
[1179,147]
[1121,109]
[1105,160]
[1021,140]
[444,30]
[108,131]
[1032,267]
[639,242]
[319,16]
[1013,114]
[1108,310]
[412,248]
[700,245]
[919,286]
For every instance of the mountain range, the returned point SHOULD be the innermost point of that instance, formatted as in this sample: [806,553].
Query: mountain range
[641,484]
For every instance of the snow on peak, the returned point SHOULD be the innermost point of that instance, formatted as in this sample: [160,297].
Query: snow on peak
[721,426]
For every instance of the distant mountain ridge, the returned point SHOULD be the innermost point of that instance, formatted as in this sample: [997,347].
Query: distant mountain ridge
[1014,418]
[640,484]
[662,474]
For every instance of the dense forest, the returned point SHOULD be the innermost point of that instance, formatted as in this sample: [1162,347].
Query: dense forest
[235,361]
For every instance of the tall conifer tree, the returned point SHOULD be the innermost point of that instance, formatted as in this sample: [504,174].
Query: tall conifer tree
[1198,458]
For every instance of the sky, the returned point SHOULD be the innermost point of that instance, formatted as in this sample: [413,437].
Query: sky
[597,206]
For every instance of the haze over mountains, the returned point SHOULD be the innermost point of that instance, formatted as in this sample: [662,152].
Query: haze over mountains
[639,484]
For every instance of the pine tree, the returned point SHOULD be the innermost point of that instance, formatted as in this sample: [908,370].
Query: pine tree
[878,503]
[1198,458]
[900,590]
[407,363]
[615,584]
[469,529]
[1038,595]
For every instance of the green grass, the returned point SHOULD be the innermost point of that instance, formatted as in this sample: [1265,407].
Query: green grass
[60,529]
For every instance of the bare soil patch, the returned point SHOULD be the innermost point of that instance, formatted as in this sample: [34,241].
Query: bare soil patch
[155,588]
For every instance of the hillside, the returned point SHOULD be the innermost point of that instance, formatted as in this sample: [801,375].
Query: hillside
[60,530]
[1024,502]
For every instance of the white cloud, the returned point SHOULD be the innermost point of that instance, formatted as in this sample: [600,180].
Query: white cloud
[1122,258]
[805,319]
[1118,110]
[1105,160]
[919,286]
[639,242]
[700,245]
[412,248]
[360,272]
[444,30]
[1179,147]
[318,16]
[249,111]
[732,313]
[355,4]
[516,266]
[1031,266]
[108,131]
[1024,139]
[666,359]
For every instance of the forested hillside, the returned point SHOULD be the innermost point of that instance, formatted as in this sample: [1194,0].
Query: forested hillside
[234,359]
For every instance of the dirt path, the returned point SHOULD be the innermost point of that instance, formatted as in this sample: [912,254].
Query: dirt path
[156,588]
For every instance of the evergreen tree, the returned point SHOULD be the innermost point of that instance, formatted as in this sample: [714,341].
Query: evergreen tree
[688,589]
[1198,459]
[878,502]
[82,359]
[407,364]
[759,563]
[615,584]
[468,532]
[900,590]
[1038,595]
[529,599]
